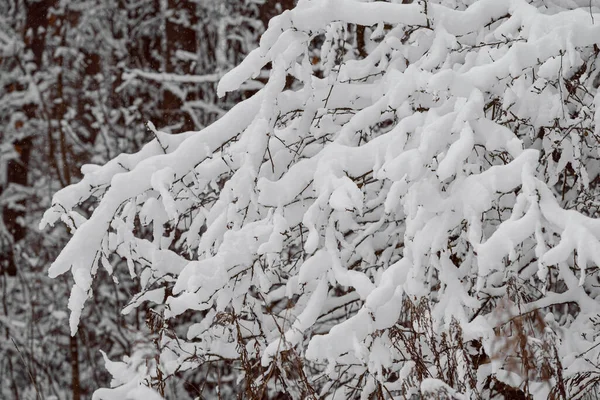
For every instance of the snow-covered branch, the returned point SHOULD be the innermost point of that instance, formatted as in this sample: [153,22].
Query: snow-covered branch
[443,175]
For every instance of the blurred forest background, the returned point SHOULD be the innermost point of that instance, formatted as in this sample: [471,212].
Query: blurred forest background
[79,79]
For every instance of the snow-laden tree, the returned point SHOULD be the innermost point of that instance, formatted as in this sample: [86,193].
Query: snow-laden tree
[408,207]
[78,81]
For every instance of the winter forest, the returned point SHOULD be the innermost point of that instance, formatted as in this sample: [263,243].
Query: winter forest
[299,199]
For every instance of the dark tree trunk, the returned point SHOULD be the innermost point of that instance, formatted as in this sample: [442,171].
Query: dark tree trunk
[13,217]
[36,25]
[75,386]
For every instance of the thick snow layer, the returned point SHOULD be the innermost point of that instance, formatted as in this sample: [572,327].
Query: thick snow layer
[429,178]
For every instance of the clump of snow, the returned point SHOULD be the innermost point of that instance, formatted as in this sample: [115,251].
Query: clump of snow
[444,164]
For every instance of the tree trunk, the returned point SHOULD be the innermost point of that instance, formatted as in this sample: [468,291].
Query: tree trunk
[75,387]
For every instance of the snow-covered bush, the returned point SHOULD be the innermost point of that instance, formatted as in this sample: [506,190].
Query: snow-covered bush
[78,81]
[407,207]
